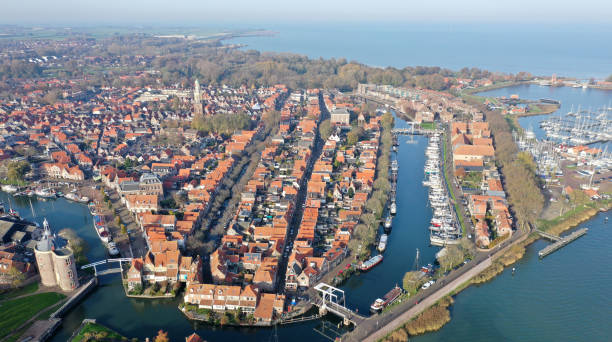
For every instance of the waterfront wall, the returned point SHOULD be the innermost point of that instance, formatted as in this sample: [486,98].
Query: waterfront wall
[73,300]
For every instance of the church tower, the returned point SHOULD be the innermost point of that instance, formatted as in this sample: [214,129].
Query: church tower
[197,98]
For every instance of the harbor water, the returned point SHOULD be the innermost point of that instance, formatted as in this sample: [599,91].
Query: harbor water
[563,297]
[570,98]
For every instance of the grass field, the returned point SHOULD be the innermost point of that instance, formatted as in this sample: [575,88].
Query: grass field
[15,312]
[31,288]
[428,125]
[100,332]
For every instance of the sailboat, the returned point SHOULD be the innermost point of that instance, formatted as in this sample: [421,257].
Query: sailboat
[13,213]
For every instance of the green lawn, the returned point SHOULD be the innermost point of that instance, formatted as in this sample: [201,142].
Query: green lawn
[428,125]
[15,312]
[31,288]
[99,332]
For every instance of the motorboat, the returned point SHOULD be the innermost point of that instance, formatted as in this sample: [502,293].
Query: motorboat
[382,244]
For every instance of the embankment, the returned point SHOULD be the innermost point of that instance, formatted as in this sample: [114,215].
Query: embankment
[432,319]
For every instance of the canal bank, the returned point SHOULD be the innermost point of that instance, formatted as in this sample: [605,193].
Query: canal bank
[409,229]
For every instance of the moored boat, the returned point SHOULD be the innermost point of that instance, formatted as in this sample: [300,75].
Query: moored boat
[101,230]
[112,249]
[393,208]
[9,188]
[388,222]
[373,261]
[92,208]
[382,244]
[390,297]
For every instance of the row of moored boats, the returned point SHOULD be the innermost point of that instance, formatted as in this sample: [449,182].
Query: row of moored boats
[443,228]
[43,192]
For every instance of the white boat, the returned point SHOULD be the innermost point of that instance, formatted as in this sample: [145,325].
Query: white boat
[382,244]
[394,165]
[74,197]
[112,249]
[44,193]
[9,188]
[101,229]
[388,222]
[393,208]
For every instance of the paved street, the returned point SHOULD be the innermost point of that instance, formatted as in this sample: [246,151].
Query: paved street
[136,240]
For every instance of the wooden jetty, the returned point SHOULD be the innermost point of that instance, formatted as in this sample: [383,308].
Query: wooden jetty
[562,241]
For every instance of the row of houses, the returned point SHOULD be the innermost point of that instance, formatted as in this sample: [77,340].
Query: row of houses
[249,253]
[340,184]
[476,173]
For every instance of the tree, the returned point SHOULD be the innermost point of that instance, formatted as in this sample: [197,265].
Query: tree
[17,170]
[162,336]
[325,129]
[123,229]
[78,245]
[356,134]
[17,277]
[451,258]
[412,281]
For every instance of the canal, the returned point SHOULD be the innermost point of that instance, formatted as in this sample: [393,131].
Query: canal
[409,230]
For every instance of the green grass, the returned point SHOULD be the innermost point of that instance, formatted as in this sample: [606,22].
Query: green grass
[15,312]
[546,224]
[31,288]
[15,337]
[101,332]
[428,125]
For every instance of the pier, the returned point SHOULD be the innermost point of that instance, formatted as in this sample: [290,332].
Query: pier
[561,241]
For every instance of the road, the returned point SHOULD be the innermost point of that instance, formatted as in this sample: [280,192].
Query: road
[296,220]
[136,240]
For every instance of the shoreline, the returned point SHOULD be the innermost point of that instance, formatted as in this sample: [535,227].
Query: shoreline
[499,264]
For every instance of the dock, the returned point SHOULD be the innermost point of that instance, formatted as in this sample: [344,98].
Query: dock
[562,241]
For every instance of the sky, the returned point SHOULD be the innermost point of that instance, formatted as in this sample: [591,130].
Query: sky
[214,12]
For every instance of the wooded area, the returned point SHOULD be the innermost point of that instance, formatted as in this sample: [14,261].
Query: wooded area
[517,170]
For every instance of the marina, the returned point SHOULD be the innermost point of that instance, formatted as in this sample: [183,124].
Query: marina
[580,127]
[443,228]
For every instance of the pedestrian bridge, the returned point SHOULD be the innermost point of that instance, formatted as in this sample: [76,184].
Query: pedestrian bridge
[104,270]
[333,300]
